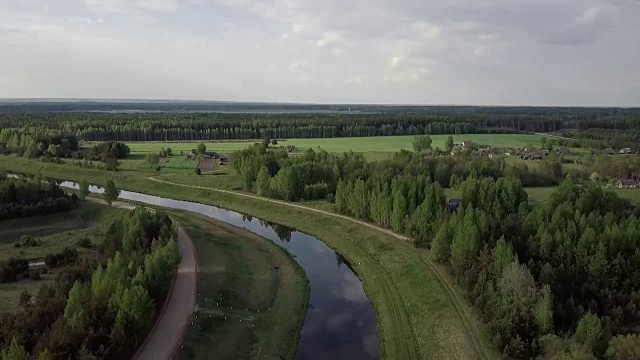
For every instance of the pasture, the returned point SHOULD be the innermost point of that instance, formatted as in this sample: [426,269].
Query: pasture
[375,145]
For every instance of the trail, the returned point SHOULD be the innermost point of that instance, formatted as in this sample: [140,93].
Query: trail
[165,338]
[458,303]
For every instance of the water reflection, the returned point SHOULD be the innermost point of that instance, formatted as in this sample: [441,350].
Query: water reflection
[340,322]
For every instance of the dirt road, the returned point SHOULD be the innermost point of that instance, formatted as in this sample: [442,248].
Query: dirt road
[165,337]
[459,304]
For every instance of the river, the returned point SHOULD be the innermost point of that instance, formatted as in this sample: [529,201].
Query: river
[340,322]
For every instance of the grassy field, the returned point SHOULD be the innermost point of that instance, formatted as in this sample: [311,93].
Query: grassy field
[416,317]
[252,295]
[56,231]
[375,145]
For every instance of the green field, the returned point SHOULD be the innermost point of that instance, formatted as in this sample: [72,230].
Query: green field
[376,145]
[56,231]
[416,316]
[252,295]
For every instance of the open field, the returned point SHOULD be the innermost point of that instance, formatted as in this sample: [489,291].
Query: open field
[378,144]
[56,231]
[176,165]
[416,317]
[242,277]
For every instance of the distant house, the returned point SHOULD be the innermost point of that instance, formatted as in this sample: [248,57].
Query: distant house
[532,156]
[458,143]
[224,159]
[210,155]
[291,148]
[628,184]
[454,204]
[626,151]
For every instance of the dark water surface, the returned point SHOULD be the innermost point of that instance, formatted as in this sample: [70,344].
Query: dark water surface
[340,323]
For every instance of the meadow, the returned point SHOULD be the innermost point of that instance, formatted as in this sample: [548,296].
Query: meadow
[252,295]
[378,144]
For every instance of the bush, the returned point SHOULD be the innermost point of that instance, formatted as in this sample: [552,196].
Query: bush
[84,242]
[158,168]
[35,275]
[198,172]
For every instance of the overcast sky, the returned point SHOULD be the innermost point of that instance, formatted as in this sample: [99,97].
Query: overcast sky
[499,52]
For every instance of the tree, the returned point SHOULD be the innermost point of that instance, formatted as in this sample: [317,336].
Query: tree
[624,348]
[449,144]
[163,153]
[25,299]
[589,330]
[45,355]
[111,193]
[399,211]
[84,189]
[421,142]
[543,311]
[198,171]
[262,182]
[153,159]
[14,352]
[274,142]
[169,151]
[201,149]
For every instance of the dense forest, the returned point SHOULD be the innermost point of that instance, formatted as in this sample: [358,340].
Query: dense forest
[556,280]
[163,126]
[25,198]
[98,308]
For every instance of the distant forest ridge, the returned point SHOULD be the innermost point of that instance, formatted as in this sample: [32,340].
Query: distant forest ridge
[81,105]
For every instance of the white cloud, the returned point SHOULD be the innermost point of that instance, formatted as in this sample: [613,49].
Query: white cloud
[405,51]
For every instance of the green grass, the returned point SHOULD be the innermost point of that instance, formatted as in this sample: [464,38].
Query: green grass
[416,318]
[56,231]
[377,145]
[177,165]
[238,280]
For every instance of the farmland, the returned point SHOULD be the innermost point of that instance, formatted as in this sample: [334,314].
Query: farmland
[380,144]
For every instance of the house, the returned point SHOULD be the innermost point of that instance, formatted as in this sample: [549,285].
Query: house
[291,148]
[224,159]
[458,143]
[628,184]
[210,155]
[626,151]
[454,204]
[535,157]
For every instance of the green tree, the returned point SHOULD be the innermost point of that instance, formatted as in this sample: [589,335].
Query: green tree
[111,193]
[466,242]
[624,347]
[163,153]
[421,142]
[441,247]
[15,352]
[589,330]
[201,149]
[74,311]
[399,211]
[169,151]
[449,144]
[543,311]
[45,355]
[153,159]
[262,181]
[84,189]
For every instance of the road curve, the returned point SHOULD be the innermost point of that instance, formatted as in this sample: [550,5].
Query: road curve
[457,301]
[166,336]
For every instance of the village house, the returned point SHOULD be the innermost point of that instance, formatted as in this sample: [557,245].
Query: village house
[291,148]
[628,184]
[458,143]
[210,155]
[626,151]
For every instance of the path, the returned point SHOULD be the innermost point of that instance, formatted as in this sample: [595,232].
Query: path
[458,303]
[165,338]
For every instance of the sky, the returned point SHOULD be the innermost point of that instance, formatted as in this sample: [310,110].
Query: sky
[473,52]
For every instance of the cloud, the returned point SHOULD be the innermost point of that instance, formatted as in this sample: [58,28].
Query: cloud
[405,51]
[128,6]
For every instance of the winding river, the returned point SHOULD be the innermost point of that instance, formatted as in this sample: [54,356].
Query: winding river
[340,322]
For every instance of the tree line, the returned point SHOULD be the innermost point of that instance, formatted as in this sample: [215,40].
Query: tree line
[171,126]
[21,197]
[98,309]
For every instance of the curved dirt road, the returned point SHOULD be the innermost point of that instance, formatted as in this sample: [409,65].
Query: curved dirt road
[165,337]
[458,303]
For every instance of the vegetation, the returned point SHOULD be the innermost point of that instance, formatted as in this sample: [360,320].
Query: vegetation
[98,308]
[25,198]
[243,277]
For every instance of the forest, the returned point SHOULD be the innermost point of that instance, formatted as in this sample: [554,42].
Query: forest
[555,280]
[583,124]
[98,308]
[25,198]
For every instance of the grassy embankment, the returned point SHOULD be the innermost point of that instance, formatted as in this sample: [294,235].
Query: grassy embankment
[252,294]
[417,317]
[54,233]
